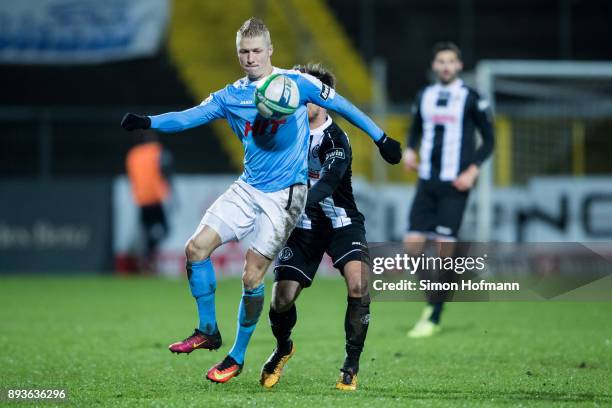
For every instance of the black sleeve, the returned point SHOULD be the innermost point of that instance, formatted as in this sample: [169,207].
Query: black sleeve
[416,129]
[335,154]
[482,118]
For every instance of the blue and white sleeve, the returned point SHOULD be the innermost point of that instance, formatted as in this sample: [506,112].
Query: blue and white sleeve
[210,109]
[314,91]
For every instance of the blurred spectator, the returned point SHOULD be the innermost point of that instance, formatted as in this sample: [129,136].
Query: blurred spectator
[149,168]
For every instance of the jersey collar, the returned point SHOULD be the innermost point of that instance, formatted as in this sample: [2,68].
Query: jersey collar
[321,129]
[275,70]
[456,84]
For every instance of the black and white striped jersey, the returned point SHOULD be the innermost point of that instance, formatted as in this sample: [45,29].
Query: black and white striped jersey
[330,199]
[444,120]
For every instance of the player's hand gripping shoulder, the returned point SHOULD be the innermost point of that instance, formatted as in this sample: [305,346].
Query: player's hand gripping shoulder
[390,149]
[132,121]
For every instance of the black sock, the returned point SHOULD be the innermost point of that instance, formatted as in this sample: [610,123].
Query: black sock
[356,322]
[437,312]
[282,324]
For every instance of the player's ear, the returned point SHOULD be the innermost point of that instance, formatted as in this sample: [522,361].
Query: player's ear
[271,48]
[460,65]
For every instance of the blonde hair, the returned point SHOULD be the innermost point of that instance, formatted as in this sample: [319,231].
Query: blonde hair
[251,28]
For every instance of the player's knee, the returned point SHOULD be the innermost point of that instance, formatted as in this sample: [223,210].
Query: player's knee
[254,270]
[356,288]
[195,251]
[251,280]
[282,302]
[355,275]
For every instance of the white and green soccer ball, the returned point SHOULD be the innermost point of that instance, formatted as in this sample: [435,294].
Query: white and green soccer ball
[277,96]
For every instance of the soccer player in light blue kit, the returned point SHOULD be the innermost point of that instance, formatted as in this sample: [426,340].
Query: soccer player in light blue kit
[268,197]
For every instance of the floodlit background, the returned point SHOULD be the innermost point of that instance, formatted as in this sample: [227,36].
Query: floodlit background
[69,70]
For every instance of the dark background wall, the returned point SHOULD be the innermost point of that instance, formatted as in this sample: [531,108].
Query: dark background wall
[74,112]
[403,32]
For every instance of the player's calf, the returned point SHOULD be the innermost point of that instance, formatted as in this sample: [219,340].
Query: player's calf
[284,295]
[283,313]
[356,323]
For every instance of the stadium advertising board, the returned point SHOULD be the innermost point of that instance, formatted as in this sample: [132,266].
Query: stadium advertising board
[59,227]
[546,210]
[193,196]
[551,209]
[80,31]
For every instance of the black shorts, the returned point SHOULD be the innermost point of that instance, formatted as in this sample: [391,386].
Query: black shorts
[437,208]
[300,258]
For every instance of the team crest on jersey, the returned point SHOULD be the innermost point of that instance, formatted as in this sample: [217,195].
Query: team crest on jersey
[337,153]
[315,151]
[325,90]
[285,254]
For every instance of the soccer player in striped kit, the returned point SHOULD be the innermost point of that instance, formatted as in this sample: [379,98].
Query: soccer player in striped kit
[269,196]
[445,117]
[331,224]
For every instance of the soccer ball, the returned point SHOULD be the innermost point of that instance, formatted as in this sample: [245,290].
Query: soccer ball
[277,96]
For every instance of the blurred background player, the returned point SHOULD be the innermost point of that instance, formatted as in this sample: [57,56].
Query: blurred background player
[331,224]
[149,169]
[446,114]
[269,196]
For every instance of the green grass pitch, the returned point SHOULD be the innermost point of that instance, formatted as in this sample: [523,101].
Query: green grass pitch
[105,341]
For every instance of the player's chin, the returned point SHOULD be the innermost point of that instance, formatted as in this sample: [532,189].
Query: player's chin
[252,71]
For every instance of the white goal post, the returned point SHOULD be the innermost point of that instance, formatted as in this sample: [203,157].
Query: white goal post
[560,81]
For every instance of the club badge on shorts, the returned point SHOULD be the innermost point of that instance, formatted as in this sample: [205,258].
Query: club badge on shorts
[285,254]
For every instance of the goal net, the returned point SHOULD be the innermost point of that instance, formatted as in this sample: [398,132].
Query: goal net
[552,118]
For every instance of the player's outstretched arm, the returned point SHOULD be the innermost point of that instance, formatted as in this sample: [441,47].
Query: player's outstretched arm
[207,111]
[314,91]
[389,148]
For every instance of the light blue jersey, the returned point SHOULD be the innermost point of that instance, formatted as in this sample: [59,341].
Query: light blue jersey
[275,151]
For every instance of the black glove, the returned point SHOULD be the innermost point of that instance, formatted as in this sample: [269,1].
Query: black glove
[390,149]
[132,122]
